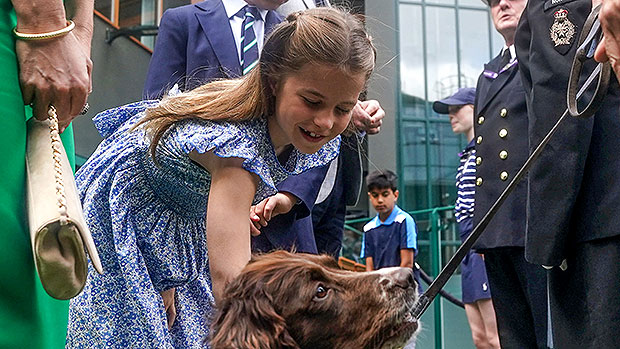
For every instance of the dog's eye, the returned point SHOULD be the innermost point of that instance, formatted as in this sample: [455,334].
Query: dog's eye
[321,292]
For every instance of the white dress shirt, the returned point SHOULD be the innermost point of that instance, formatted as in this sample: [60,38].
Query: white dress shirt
[234,6]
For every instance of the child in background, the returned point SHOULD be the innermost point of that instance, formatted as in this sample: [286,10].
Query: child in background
[172,178]
[390,239]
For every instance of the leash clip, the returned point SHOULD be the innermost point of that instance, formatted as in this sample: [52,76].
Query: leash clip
[591,36]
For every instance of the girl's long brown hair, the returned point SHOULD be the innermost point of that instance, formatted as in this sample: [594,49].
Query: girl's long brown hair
[326,36]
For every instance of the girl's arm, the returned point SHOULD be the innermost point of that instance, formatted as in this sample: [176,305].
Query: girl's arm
[230,197]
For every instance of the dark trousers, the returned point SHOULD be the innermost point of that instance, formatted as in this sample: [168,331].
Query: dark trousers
[585,298]
[519,292]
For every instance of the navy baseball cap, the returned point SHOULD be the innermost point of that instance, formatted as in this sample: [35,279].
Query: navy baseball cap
[463,96]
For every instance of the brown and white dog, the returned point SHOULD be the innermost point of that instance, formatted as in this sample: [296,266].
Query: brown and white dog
[284,300]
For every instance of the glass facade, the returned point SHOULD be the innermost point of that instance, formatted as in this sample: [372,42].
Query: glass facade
[443,45]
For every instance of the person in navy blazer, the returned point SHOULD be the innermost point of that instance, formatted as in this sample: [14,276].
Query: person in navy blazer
[501,137]
[195,45]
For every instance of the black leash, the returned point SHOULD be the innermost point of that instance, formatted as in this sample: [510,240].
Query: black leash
[590,37]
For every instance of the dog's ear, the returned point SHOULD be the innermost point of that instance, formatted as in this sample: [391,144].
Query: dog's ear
[249,321]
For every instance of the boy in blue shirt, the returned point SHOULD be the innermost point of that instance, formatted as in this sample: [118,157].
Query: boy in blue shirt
[390,239]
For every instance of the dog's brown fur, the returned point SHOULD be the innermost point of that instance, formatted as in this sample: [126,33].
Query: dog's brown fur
[278,302]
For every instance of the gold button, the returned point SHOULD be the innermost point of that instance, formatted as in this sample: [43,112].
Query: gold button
[503,154]
[503,176]
[503,133]
[479,181]
[481,120]
[478,161]
[479,140]
[503,112]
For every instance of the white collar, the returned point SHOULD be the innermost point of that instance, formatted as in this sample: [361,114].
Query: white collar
[513,53]
[234,6]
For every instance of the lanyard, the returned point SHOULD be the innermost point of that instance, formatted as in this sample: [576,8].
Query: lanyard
[493,75]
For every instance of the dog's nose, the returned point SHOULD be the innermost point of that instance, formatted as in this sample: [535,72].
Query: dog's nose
[402,277]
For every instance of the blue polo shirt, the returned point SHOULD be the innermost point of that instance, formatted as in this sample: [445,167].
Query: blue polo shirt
[383,240]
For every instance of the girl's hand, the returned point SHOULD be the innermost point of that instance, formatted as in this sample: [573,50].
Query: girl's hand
[171,310]
[270,207]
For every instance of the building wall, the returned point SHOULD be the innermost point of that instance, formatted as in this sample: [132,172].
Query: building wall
[381,23]
[427,49]
[118,78]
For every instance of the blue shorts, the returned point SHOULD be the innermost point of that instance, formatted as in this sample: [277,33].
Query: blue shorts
[474,282]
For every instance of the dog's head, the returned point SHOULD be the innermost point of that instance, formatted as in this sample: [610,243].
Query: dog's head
[284,300]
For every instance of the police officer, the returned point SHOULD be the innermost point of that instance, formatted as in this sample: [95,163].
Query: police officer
[573,224]
[500,124]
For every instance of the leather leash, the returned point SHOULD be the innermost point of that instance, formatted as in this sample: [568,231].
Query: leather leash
[591,35]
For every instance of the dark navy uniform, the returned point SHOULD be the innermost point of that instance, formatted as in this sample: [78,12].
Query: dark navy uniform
[574,188]
[500,124]
[294,230]
[328,216]
[311,226]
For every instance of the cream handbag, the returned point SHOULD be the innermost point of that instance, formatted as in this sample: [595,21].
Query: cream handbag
[58,232]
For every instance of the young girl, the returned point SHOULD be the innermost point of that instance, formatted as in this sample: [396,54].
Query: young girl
[168,172]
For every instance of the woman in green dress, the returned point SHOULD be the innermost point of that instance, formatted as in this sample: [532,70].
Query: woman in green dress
[38,73]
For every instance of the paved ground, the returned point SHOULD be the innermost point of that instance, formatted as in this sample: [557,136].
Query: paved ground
[456,330]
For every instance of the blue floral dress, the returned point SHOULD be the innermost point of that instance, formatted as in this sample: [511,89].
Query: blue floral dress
[148,222]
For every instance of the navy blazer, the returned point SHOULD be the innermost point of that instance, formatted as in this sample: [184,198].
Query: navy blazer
[195,45]
[500,125]
[574,187]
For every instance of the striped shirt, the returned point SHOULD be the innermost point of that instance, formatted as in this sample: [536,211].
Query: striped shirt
[466,184]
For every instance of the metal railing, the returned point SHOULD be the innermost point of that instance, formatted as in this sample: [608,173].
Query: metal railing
[437,234]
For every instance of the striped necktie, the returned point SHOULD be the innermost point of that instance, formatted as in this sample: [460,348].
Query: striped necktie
[249,45]
[506,58]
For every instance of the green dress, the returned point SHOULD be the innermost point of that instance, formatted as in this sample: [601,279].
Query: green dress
[29,318]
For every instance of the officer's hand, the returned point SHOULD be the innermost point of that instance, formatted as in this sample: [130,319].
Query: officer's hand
[367,116]
[609,48]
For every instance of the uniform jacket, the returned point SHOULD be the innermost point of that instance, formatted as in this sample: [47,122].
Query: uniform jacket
[195,45]
[574,187]
[500,124]
[328,215]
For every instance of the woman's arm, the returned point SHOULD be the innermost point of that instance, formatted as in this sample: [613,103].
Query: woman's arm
[55,71]
[81,12]
[230,197]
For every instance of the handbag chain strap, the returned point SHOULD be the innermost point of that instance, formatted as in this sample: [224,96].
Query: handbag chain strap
[57,155]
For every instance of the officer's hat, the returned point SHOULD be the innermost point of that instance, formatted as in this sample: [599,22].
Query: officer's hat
[463,96]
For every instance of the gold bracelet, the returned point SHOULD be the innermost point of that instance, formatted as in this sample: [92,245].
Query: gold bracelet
[45,36]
